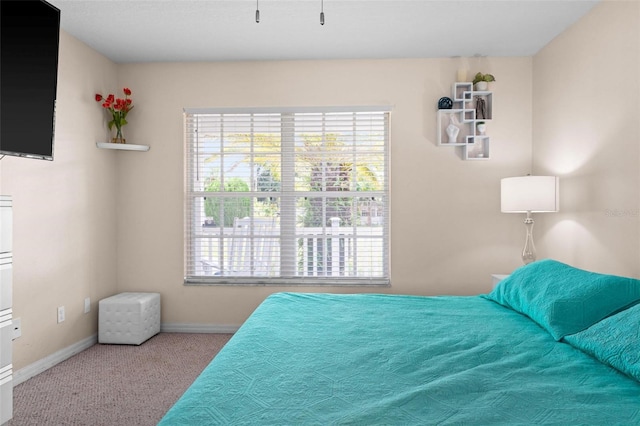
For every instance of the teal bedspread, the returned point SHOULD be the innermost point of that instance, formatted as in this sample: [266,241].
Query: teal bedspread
[322,359]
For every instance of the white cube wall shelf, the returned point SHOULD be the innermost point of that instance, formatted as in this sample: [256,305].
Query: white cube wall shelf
[466,114]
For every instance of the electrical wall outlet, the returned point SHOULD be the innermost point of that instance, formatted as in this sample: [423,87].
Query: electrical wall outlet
[87,305]
[17,328]
[60,314]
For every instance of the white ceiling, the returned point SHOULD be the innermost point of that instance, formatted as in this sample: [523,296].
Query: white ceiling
[217,30]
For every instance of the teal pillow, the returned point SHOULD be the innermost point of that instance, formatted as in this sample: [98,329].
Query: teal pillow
[563,299]
[614,340]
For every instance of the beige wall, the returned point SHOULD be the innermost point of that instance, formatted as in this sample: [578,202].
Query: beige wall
[587,131]
[64,214]
[448,234]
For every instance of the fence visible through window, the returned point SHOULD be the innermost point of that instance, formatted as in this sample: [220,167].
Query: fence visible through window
[322,252]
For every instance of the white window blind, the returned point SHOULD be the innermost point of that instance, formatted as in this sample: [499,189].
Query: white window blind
[297,196]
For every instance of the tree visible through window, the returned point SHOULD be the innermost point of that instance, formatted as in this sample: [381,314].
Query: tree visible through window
[294,197]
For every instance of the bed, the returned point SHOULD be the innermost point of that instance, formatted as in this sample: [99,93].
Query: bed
[551,344]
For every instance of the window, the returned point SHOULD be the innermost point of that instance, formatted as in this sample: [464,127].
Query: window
[287,197]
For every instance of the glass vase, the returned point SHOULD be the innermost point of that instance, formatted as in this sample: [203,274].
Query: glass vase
[118,138]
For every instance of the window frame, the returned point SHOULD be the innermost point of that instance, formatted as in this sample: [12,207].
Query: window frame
[287,149]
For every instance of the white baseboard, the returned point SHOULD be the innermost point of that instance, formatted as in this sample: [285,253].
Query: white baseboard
[197,328]
[46,363]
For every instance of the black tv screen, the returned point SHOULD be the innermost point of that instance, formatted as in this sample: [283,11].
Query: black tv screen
[29,38]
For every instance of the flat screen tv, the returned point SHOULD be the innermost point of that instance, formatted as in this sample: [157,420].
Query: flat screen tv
[29,38]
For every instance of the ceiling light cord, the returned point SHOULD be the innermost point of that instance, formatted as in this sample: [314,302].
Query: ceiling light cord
[257,12]
[321,12]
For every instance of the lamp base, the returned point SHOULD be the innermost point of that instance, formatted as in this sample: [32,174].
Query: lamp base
[529,250]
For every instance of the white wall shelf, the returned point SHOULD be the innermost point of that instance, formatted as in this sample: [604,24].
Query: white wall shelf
[466,114]
[122,146]
[458,118]
[477,148]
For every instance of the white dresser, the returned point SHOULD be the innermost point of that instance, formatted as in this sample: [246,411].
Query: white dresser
[6,324]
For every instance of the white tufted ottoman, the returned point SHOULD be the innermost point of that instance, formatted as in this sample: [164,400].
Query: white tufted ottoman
[128,318]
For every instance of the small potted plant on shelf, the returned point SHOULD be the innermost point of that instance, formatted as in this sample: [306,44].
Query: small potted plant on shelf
[481,81]
[481,127]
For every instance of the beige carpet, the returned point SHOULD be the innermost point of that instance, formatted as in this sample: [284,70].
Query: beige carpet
[116,384]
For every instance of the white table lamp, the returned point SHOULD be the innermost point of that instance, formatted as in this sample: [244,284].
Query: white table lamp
[529,194]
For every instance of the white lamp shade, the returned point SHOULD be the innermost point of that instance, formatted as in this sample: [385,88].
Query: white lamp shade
[529,194]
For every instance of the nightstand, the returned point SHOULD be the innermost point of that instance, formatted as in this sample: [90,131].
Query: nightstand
[496,278]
